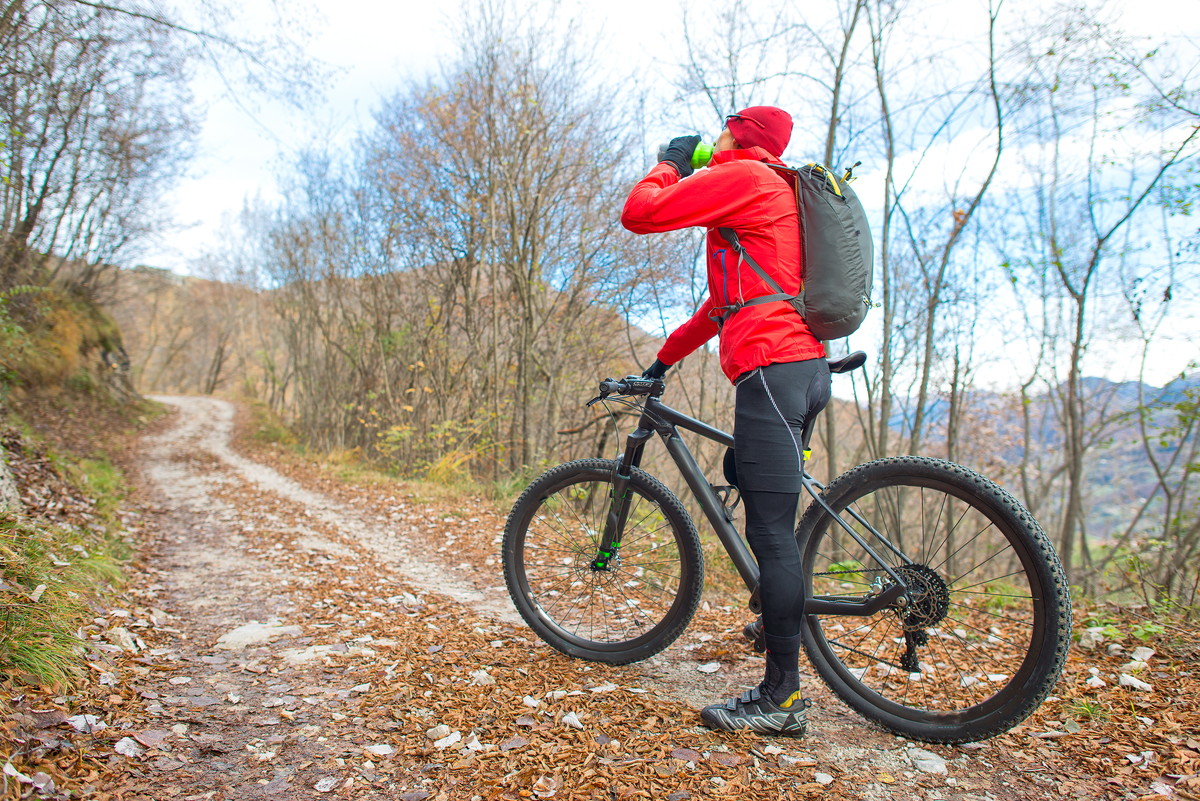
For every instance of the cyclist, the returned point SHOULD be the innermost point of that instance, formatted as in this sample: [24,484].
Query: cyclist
[776,364]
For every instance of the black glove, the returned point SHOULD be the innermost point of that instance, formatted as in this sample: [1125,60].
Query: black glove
[656,370]
[679,153]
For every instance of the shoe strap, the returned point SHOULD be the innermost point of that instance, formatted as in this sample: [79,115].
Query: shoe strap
[751,696]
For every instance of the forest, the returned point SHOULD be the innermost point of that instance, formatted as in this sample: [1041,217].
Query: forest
[442,297]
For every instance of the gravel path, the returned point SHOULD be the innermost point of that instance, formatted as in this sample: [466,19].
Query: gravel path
[303,646]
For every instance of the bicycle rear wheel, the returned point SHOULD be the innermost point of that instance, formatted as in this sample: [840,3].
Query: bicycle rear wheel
[630,608]
[983,634]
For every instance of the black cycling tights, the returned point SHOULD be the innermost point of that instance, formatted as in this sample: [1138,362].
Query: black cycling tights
[771,532]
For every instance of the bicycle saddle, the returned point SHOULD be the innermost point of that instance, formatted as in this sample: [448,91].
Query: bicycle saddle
[847,363]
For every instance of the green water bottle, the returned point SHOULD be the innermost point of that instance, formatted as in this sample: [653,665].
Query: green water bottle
[701,156]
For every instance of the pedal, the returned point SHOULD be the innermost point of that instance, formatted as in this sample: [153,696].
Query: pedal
[753,632]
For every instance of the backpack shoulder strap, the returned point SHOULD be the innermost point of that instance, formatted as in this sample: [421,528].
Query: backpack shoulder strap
[727,311]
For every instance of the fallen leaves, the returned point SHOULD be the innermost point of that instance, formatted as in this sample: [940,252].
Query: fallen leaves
[687,754]
[86,723]
[390,692]
[1125,680]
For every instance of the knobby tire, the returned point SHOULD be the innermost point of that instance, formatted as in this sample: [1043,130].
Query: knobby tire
[635,606]
[985,635]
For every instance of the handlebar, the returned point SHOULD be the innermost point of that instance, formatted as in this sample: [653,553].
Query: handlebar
[630,385]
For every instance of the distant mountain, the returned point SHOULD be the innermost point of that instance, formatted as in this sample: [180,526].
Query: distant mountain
[1118,472]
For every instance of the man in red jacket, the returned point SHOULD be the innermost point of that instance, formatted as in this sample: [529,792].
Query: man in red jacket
[774,361]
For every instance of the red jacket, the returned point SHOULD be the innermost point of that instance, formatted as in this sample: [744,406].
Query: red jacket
[737,191]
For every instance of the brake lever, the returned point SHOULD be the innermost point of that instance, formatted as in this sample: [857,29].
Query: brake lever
[607,387]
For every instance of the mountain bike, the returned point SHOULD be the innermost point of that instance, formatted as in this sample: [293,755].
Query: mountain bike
[934,603]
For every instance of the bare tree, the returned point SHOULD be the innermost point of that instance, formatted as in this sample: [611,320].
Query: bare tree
[92,106]
[1095,175]
[927,277]
[453,286]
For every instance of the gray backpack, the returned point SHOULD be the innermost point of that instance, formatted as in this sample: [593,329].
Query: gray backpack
[838,257]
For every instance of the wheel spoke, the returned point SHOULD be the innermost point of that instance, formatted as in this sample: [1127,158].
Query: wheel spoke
[634,605]
[941,665]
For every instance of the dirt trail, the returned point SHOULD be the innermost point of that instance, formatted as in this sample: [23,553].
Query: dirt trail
[311,646]
[206,426]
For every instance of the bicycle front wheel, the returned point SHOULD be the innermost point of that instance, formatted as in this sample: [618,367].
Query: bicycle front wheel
[982,634]
[621,608]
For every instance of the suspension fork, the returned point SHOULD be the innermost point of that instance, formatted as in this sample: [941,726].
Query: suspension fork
[618,507]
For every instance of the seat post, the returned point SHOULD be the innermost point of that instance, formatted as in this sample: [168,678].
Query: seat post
[806,433]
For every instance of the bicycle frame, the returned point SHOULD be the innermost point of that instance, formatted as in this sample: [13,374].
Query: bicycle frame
[659,418]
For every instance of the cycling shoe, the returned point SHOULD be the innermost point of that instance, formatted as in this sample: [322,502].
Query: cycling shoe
[758,713]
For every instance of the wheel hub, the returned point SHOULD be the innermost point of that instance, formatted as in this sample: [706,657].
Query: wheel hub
[606,560]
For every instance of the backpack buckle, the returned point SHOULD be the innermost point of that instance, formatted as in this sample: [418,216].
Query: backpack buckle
[720,314]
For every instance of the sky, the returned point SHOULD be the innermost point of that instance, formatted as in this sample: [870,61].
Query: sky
[372,48]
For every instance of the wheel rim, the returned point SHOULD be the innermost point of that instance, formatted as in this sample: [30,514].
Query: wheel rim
[616,608]
[967,640]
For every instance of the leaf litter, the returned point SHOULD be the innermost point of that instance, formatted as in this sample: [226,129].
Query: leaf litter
[388,664]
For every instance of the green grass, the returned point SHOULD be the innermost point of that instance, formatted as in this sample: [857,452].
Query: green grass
[52,574]
[104,482]
[506,490]
[36,645]
[268,428]
[39,612]
[1003,595]
[1087,709]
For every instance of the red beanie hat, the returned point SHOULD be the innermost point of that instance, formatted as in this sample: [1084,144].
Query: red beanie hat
[761,126]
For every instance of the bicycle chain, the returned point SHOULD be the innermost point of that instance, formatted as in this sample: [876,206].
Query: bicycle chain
[850,572]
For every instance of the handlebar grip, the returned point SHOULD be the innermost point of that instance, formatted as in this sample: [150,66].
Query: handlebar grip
[630,385]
